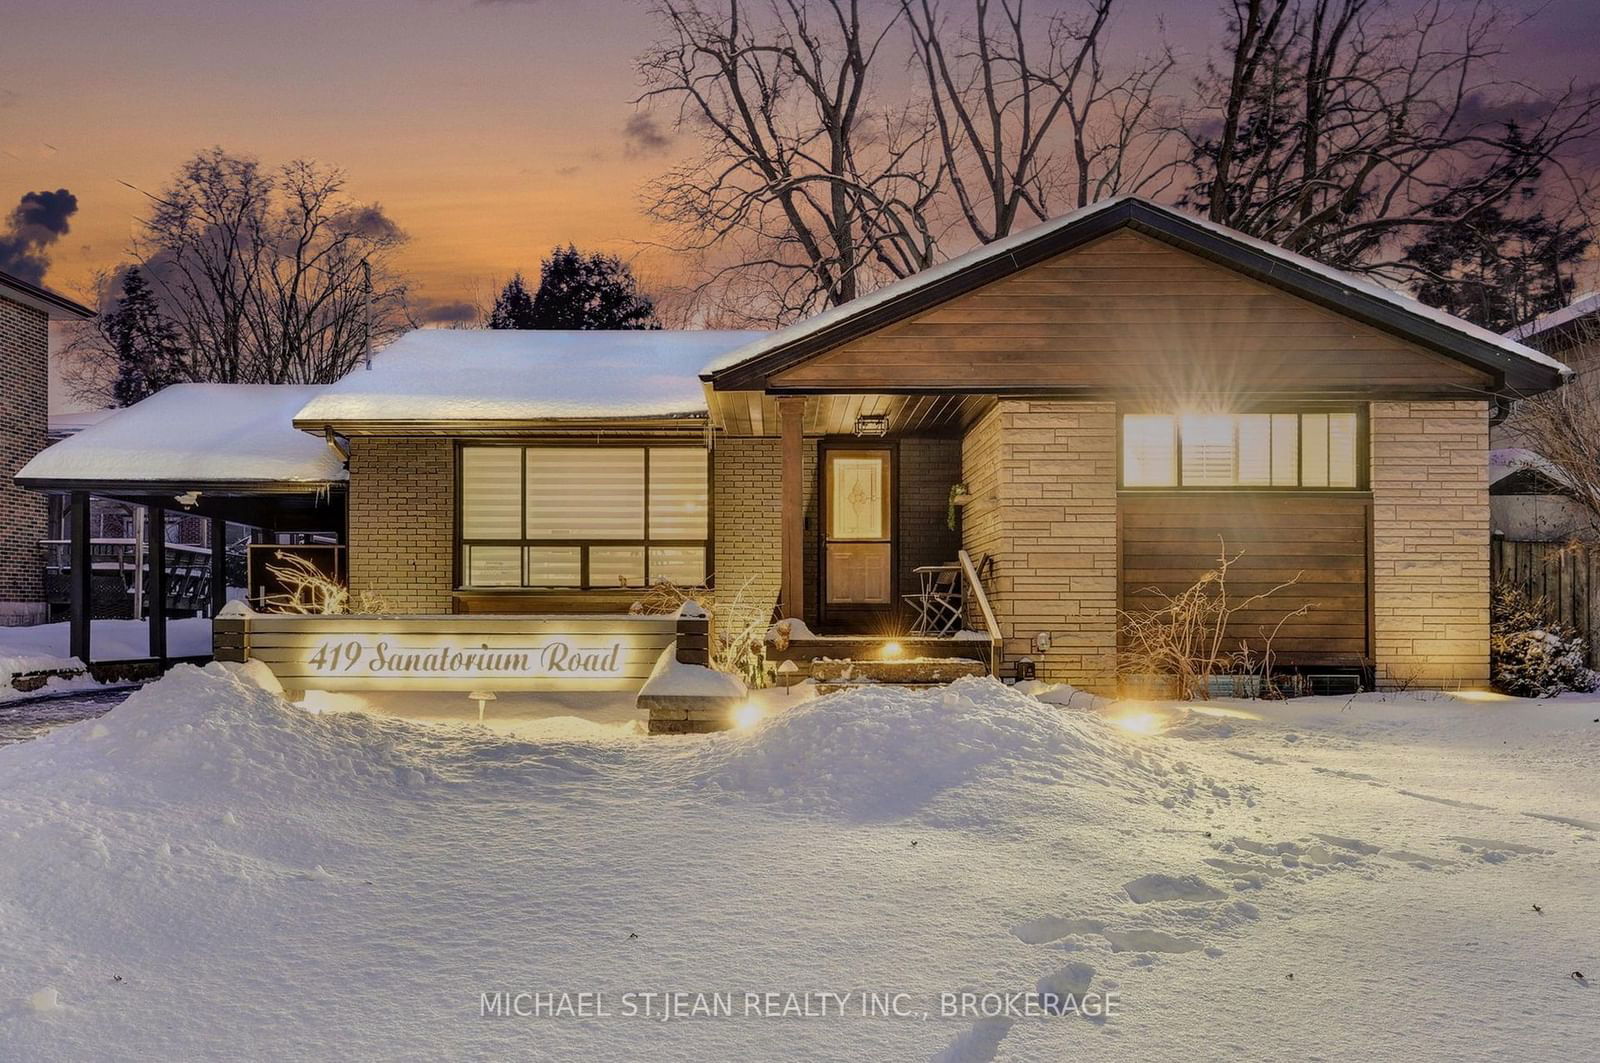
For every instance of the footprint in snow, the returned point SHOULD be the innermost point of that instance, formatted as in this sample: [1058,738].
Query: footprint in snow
[1158,887]
[1452,802]
[1566,821]
[1495,852]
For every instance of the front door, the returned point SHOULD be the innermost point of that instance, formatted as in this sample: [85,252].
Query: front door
[857,532]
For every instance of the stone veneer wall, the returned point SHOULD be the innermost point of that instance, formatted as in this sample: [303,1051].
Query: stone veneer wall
[1043,480]
[1430,540]
[402,521]
[24,405]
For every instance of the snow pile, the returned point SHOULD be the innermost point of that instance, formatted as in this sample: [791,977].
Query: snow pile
[879,752]
[220,734]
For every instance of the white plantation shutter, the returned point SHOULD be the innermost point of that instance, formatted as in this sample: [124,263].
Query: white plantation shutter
[586,493]
[1255,449]
[678,493]
[1314,450]
[1285,449]
[491,493]
[1208,450]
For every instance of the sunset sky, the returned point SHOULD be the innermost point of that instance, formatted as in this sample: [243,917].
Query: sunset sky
[488,130]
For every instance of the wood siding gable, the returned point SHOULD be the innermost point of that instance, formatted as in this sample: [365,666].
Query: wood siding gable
[1128,314]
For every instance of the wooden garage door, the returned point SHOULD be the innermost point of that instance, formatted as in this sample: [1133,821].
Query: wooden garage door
[1170,539]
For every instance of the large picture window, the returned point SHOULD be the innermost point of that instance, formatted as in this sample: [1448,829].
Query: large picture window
[1303,449]
[583,517]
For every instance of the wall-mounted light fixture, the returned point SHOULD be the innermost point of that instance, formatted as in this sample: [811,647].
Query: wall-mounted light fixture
[1041,642]
[872,424]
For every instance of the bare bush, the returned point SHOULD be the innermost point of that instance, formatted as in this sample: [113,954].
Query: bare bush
[1188,636]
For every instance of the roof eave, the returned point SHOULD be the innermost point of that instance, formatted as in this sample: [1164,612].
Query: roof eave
[42,299]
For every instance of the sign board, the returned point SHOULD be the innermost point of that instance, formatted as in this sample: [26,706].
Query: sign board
[449,653]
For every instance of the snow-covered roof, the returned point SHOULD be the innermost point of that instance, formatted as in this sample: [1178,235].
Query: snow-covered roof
[195,434]
[995,252]
[513,375]
[1505,461]
[70,424]
[1581,306]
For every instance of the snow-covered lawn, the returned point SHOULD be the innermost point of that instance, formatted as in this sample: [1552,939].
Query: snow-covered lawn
[209,872]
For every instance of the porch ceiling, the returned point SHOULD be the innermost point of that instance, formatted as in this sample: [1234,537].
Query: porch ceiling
[755,413]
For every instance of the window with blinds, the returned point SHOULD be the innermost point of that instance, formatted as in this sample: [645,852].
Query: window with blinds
[1302,450]
[583,517]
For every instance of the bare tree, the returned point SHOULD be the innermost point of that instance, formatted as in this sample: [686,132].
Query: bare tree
[803,193]
[1562,426]
[1343,127]
[266,277]
[1025,108]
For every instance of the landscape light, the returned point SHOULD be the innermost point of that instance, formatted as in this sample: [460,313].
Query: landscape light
[747,715]
[891,649]
[1139,723]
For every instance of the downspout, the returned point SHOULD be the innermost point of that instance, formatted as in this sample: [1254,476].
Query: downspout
[338,444]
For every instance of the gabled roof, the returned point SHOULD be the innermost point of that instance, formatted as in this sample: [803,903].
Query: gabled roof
[1582,306]
[28,294]
[1520,370]
[190,436]
[506,378]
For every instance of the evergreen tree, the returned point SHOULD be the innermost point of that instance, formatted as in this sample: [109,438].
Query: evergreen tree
[513,307]
[593,291]
[145,344]
[1498,269]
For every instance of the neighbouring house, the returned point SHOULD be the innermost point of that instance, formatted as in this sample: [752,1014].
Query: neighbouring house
[1100,405]
[26,311]
[1528,496]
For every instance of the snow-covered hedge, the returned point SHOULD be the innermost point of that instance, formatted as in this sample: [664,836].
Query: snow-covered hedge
[1531,654]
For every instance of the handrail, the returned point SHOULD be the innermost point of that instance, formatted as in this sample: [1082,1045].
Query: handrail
[975,593]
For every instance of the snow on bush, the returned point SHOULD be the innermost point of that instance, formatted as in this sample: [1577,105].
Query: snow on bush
[879,752]
[1531,654]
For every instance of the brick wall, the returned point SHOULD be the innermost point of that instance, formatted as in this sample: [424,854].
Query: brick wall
[927,469]
[747,500]
[1430,562]
[402,521]
[1043,477]
[24,405]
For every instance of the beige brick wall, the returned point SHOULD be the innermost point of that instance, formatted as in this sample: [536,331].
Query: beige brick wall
[747,502]
[402,521]
[1043,477]
[1430,562]
[24,402]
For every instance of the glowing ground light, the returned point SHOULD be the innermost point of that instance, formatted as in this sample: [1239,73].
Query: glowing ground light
[1139,723]
[1482,695]
[891,649]
[747,715]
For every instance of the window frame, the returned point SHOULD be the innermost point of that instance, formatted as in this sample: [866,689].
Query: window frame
[458,566]
[1363,449]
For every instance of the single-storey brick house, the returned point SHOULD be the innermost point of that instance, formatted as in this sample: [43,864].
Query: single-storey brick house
[1112,398]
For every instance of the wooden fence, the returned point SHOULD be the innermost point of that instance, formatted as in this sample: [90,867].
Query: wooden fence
[1564,575]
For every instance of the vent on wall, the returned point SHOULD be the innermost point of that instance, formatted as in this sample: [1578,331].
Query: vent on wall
[1333,685]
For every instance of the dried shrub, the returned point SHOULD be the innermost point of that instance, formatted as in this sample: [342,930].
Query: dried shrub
[739,625]
[1187,636]
[312,592]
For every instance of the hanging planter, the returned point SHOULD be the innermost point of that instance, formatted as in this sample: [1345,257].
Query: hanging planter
[959,496]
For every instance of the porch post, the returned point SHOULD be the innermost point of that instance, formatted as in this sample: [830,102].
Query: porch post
[791,425]
[80,578]
[219,564]
[155,546]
